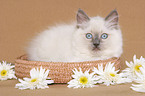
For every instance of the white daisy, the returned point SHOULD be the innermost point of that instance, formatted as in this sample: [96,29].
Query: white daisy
[134,67]
[109,76]
[6,71]
[82,80]
[140,80]
[37,80]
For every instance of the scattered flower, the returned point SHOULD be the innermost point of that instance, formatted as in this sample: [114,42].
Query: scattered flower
[37,80]
[140,80]
[6,71]
[134,67]
[82,80]
[109,76]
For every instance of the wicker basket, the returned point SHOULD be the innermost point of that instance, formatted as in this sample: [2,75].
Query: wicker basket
[60,72]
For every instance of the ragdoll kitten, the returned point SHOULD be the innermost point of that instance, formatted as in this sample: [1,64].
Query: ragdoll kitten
[94,38]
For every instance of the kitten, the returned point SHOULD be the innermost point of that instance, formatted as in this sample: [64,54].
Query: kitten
[93,38]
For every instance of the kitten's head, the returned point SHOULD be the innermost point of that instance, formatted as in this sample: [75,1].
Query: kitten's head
[98,36]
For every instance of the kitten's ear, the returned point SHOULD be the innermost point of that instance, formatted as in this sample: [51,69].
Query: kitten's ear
[112,19]
[82,18]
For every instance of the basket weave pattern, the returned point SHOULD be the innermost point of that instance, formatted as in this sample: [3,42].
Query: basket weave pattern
[60,72]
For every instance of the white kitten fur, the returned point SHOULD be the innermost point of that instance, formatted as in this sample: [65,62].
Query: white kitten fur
[67,43]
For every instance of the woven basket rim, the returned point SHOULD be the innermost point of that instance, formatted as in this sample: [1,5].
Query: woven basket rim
[21,59]
[60,71]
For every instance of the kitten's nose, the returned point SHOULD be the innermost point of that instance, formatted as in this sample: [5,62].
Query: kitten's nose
[96,44]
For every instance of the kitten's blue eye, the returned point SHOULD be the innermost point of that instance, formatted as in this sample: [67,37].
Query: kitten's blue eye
[89,36]
[104,36]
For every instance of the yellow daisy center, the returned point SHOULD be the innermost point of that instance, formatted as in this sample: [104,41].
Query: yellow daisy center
[33,80]
[3,72]
[137,66]
[83,80]
[112,74]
